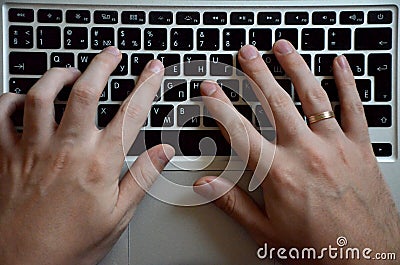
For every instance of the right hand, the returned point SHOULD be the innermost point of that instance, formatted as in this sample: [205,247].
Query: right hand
[324,181]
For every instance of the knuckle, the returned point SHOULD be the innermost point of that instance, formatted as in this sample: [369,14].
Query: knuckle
[228,203]
[355,107]
[84,92]
[132,111]
[280,101]
[315,96]
[63,156]
[37,99]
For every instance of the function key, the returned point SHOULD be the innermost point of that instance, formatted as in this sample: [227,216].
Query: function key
[50,16]
[351,17]
[242,18]
[324,18]
[215,18]
[133,17]
[296,18]
[269,18]
[78,16]
[161,17]
[188,18]
[380,17]
[105,17]
[20,15]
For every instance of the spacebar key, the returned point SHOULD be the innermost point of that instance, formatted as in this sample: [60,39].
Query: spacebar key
[185,142]
[28,63]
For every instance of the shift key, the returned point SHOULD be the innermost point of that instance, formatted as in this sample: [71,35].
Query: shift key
[28,63]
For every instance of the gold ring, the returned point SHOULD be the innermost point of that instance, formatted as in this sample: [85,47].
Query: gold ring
[320,116]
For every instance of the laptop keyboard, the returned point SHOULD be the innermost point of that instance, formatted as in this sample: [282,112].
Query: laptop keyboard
[197,45]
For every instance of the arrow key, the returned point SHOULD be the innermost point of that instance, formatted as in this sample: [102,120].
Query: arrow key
[382,149]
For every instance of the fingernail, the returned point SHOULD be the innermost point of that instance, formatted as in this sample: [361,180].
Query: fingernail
[166,153]
[343,63]
[283,47]
[204,189]
[249,52]
[112,50]
[208,87]
[74,69]
[155,66]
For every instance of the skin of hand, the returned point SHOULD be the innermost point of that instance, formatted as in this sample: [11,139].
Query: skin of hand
[61,200]
[324,181]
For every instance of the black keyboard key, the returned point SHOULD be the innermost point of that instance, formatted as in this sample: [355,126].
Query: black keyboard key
[195,64]
[291,35]
[84,60]
[246,111]
[48,37]
[182,39]
[78,16]
[63,95]
[129,39]
[373,39]
[102,38]
[162,116]
[185,142]
[105,17]
[378,115]
[261,39]
[155,39]
[195,94]
[208,119]
[208,39]
[139,61]
[261,120]
[364,89]
[188,115]
[50,16]
[383,88]
[231,88]
[161,17]
[269,18]
[380,17]
[382,149]
[20,15]
[313,39]
[233,39]
[215,18]
[21,85]
[357,63]
[248,94]
[104,94]
[339,39]
[324,64]
[324,18]
[121,88]
[28,63]
[379,64]
[351,17]
[242,18]
[188,18]
[133,17]
[221,64]
[296,18]
[62,59]
[122,68]
[273,64]
[75,38]
[20,37]
[329,86]
[171,63]
[105,113]
[175,90]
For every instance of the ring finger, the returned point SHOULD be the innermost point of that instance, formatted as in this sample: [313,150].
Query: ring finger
[313,98]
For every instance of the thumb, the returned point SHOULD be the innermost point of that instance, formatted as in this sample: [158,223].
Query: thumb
[141,176]
[237,204]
